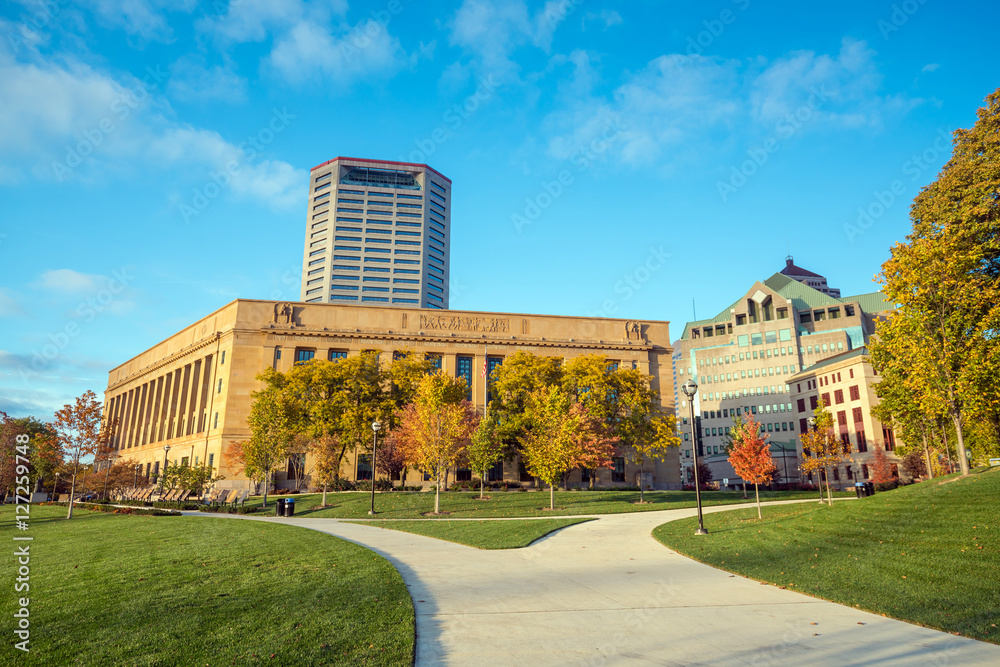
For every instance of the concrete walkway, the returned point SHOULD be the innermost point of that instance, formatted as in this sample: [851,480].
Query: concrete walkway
[606,593]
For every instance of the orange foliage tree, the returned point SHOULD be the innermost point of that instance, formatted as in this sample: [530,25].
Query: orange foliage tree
[750,455]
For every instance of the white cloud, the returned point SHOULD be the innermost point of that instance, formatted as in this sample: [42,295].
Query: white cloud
[144,18]
[605,17]
[310,40]
[309,51]
[65,281]
[67,121]
[930,67]
[491,30]
[677,102]
[191,81]
[9,307]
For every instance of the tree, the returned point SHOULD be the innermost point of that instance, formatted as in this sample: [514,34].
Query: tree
[327,450]
[646,433]
[485,448]
[298,447]
[562,436]
[750,456]
[704,474]
[80,432]
[880,466]
[271,432]
[435,428]
[342,398]
[391,459]
[946,282]
[821,448]
[512,383]
[913,464]
[44,455]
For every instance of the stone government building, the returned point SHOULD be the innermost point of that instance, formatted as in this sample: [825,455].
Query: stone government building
[192,390]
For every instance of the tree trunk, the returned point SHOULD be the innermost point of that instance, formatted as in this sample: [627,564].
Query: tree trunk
[829,495]
[324,494]
[266,475]
[482,484]
[947,448]
[552,496]
[641,497]
[927,456]
[963,461]
[72,490]
[437,495]
[757,491]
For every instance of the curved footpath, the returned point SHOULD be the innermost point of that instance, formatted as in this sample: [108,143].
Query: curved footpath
[606,593]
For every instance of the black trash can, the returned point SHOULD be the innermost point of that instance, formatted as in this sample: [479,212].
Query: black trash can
[279,507]
[859,489]
[289,506]
[870,488]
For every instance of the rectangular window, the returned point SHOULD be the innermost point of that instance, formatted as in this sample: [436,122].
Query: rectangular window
[855,392]
[303,355]
[838,396]
[463,369]
[364,467]
[858,416]
[215,424]
[618,471]
[826,399]
[842,417]
[862,443]
[219,390]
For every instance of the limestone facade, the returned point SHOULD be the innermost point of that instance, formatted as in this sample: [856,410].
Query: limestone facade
[191,392]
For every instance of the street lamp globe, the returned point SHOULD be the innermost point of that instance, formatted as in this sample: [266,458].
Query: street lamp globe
[376,425]
[690,388]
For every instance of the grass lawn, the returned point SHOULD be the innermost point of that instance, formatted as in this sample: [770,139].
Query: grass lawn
[927,553]
[130,590]
[481,534]
[466,505]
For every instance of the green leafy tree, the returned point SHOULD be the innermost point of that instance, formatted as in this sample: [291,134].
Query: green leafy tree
[328,452]
[485,448]
[750,455]
[646,433]
[512,383]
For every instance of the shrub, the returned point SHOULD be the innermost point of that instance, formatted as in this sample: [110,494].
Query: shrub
[340,485]
[380,485]
[887,486]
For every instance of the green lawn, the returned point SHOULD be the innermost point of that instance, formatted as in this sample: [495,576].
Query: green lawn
[130,590]
[927,553]
[481,534]
[466,505]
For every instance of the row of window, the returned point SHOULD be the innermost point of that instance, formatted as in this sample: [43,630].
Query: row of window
[747,391]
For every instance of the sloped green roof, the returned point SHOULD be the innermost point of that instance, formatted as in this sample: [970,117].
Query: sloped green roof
[801,295]
[871,303]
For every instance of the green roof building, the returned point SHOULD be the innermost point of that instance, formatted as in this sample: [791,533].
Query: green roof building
[743,358]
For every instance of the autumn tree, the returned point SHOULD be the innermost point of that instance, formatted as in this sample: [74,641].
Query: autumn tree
[946,281]
[821,448]
[644,431]
[562,436]
[435,428]
[485,448]
[750,455]
[327,450]
[342,398]
[521,374]
[391,459]
[271,431]
[881,467]
[80,432]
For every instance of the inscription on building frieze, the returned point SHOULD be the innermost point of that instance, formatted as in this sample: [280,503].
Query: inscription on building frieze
[465,323]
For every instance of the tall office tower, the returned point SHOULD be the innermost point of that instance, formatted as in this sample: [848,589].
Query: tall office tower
[377,232]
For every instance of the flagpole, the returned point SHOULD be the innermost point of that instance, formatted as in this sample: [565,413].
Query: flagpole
[486,377]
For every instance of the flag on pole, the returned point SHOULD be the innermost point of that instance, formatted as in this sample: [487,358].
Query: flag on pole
[486,362]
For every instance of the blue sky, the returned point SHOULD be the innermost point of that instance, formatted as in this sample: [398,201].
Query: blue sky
[616,159]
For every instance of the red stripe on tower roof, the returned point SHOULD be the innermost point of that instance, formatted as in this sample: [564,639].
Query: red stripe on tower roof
[364,159]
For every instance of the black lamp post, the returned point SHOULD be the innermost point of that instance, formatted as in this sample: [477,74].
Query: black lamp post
[375,427]
[690,389]
[166,450]
[107,471]
[135,479]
